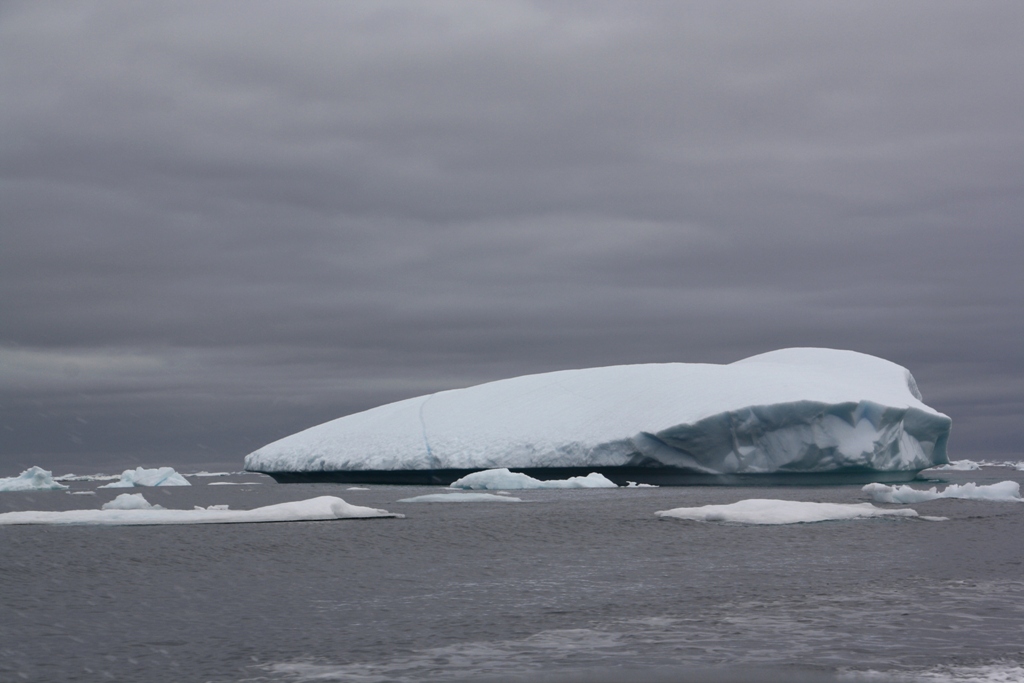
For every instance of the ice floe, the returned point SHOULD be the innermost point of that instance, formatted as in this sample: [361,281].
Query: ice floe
[959,465]
[130,501]
[462,498]
[793,410]
[158,476]
[503,478]
[32,479]
[1004,491]
[315,509]
[766,511]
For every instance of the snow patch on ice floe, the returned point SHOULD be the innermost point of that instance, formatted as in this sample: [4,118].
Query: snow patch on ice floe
[1004,491]
[315,509]
[130,501]
[462,498]
[32,479]
[158,476]
[503,478]
[765,511]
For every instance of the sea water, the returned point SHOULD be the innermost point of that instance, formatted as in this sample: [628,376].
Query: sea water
[567,585]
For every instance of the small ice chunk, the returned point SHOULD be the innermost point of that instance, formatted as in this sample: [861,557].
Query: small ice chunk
[461,498]
[1003,491]
[130,501]
[503,478]
[314,509]
[32,479]
[634,485]
[357,488]
[764,511]
[212,507]
[158,476]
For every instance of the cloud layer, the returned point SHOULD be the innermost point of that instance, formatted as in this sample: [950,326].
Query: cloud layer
[225,222]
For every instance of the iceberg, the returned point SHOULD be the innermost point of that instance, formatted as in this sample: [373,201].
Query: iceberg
[159,476]
[765,511]
[801,411]
[32,479]
[1004,491]
[313,510]
[503,478]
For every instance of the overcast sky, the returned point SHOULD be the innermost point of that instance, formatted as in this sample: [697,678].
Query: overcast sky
[221,223]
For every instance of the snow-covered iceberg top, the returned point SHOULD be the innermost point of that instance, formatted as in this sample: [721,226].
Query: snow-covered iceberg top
[794,410]
[32,479]
[158,476]
[312,510]
[504,479]
[130,501]
[1004,491]
[766,511]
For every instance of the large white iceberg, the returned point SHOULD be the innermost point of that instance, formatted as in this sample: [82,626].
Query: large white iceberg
[504,479]
[1004,491]
[801,410]
[32,479]
[765,511]
[158,476]
[314,509]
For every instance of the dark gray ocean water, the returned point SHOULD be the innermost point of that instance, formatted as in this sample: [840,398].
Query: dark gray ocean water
[570,585]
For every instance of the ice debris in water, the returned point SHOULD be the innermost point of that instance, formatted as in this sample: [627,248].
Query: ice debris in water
[314,509]
[503,478]
[793,410]
[32,479]
[765,511]
[130,501]
[959,465]
[634,485]
[461,498]
[1004,491]
[159,476]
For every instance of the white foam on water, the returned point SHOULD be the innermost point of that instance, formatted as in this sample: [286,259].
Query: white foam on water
[991,673]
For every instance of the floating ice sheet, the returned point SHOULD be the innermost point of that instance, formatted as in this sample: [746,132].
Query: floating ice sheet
[766,511]
[314,509]
[32,479]
[1004,491]
[462,498]
[503,478]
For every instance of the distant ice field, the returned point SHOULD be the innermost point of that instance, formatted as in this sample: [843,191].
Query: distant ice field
[568,585]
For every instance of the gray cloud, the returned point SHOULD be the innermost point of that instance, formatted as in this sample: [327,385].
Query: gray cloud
[225,222]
